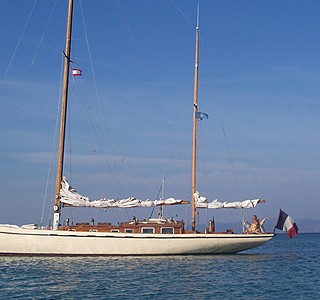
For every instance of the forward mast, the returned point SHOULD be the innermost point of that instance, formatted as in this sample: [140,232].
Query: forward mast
[57,204]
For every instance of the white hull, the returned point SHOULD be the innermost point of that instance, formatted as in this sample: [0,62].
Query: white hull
[18,241]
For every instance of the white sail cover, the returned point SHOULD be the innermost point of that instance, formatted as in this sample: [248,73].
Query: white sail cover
[70,197]
[201,202]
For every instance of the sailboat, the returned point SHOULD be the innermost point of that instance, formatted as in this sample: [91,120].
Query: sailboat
[153,236]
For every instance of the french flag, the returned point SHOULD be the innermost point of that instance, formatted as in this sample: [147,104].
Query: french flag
[287,224]
[76,72]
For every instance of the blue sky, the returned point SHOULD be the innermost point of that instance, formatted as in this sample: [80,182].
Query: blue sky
[259,83]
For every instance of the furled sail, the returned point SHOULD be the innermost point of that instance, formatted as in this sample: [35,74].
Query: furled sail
[70,197]
[201,202]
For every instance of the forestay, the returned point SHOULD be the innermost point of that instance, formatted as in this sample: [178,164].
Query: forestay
[70,197]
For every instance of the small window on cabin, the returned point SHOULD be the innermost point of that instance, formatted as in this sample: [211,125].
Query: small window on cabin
[147,229]
[167,230]
[128,230]
[114,230]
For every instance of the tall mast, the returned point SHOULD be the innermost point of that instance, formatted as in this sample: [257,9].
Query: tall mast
[194,136]
[57,204]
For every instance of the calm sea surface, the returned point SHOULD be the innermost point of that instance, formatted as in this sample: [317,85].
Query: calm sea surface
[282,269]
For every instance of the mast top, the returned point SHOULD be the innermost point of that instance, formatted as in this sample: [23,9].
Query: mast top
[198,16]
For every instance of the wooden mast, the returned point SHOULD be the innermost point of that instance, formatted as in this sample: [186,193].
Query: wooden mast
[194,136]
[57,204]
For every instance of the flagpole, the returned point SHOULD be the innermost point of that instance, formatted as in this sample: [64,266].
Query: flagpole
[275,226]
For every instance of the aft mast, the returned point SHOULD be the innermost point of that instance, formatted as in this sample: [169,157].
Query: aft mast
[194,136]
[57,204]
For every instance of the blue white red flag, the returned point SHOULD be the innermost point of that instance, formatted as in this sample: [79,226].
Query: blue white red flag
[287,224]
[76,72]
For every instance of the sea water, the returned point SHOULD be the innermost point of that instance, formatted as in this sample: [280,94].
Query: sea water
[281,269]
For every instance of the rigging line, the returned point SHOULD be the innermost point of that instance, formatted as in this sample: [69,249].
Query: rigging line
[44,32]
[20,38]
[70,103]
[204,211]
[32,63]
[97,137]
[149,76]
[52,151]
[23,84]
[182,13]
[118,183]
[202,45]
[158,197]
[229,153]
[53,146]
[196,26]
[204,57]
[203,162]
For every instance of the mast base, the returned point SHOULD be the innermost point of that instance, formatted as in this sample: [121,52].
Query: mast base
[56,221]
